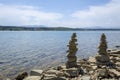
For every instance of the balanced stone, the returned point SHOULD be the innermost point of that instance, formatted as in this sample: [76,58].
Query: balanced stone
[102,56]
[72,59]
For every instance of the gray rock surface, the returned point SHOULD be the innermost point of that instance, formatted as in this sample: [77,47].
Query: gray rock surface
[36,72]
[33,78]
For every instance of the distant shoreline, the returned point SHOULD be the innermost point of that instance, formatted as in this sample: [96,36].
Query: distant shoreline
[15,28]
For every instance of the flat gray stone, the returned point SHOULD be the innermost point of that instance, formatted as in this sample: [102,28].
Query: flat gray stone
[84,78]
[33,78]
[117,73]
[94,67]
[73,72]
[92,59]
[36,72]
[50,77]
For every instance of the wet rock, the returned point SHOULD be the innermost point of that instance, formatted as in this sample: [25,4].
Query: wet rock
[22,76]
[36,72]
[118,46]
[109,50]
[59,68]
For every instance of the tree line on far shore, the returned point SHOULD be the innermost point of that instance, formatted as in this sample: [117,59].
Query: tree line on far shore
[22,28]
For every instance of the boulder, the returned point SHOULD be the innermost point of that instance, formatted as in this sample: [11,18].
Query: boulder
[94,67]
[33,78]
[87,67]
[56,72]
[60,74]
[36,72]
[49,77]
[115,55]
[51,71]
[54,75]
[102,73]
[117,59]
[94,76]
[118,68]
[117,64]
[91,72]
[61,67]
[7,79]
[92,60]
[72,72]
[109,50]
[102,58]
[81,62]
[114,72]
[115,51]
[22,76]
[86,77]
[60,78]
[113,59]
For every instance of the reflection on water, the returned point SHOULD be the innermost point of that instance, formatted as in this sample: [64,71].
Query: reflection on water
[25,50]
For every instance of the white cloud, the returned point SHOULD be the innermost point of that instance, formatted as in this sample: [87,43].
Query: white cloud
[107,15]
[25,15]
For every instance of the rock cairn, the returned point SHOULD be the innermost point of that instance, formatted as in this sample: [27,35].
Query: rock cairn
[71,56]
[102,56]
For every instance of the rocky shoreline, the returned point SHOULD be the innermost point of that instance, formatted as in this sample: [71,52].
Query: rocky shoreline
[87,70]
[103,66]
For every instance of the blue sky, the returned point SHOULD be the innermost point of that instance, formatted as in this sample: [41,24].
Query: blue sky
[63,6]
[70,13]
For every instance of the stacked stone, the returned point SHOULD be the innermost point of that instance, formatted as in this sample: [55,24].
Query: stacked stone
[102,56]
[72,59]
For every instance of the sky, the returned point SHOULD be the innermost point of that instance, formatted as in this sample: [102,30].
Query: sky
[60,13]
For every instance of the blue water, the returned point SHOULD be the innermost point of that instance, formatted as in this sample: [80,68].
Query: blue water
[25,50]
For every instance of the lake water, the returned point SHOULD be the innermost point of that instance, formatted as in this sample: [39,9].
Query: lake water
[25,50]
